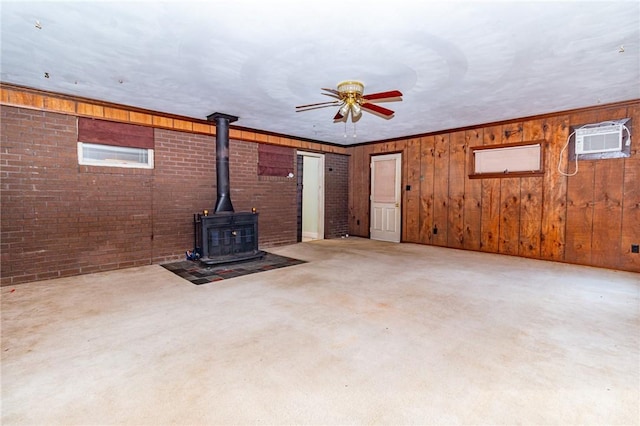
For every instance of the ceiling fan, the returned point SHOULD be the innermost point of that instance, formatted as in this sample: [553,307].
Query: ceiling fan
[349,96]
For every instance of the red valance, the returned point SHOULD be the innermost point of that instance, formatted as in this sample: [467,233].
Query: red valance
[113,133]
[275,160]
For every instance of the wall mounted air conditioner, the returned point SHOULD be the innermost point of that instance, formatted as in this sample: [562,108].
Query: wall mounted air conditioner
[603,138]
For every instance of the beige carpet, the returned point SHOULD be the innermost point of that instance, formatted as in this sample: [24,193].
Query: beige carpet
[366,332]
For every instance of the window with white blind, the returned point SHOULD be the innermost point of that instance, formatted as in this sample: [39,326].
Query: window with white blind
[109,143]
[91,154]
[507,160]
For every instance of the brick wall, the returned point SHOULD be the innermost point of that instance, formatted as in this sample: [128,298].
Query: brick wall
[60,219]
[184,184]
[274,197]
[336,201]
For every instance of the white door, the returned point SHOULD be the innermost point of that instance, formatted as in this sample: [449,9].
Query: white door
[312,196]
[385,197]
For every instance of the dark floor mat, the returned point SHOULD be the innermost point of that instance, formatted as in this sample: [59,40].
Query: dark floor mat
[198,274]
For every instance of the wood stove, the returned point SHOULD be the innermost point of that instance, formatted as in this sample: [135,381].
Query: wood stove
[225,236]
[228,238]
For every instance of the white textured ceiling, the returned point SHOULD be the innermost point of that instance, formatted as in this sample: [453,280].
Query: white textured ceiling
[458,63]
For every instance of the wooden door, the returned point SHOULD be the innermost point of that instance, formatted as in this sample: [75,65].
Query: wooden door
[385,197]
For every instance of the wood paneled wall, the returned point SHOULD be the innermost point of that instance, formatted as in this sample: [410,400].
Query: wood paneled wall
[591,218]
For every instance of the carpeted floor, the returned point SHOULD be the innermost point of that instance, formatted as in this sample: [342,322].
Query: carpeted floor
[199,274]
[364,333]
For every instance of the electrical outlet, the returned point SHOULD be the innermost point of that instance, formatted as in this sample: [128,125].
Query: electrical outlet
[435,230]
[635,248]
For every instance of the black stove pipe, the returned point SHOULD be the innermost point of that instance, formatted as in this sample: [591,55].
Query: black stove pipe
[223,201]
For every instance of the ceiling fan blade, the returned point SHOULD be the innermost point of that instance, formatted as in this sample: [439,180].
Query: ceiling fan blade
[383,95]
[331,95]
[319,103]
[298,109]
[334,91]
[338,116]
[378,109]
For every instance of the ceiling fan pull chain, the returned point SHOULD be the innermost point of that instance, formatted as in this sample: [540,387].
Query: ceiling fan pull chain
[354,131]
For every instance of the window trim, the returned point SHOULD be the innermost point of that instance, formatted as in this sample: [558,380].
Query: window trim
[114,163]
[506,173]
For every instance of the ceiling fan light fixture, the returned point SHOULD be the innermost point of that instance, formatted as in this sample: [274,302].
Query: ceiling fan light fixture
[345,109]
[351,87]
[349,95]
[356,110]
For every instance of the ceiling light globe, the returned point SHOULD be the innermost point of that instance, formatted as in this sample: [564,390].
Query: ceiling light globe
[356,110]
